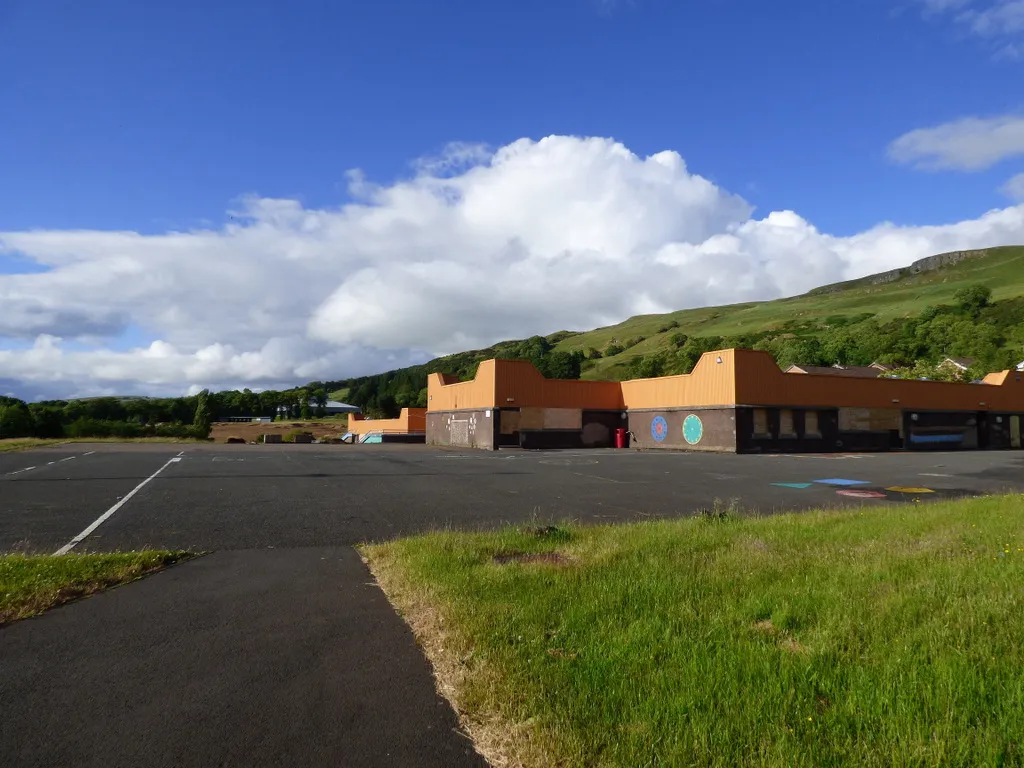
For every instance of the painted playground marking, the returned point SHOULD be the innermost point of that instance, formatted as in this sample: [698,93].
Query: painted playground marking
[934,474]
[901,489]
[842,481]
[831,457]
[793,485]
[860,494]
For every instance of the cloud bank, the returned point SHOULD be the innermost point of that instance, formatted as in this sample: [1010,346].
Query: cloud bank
[475,247]
[967,144]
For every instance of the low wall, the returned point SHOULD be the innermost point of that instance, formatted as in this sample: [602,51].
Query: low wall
[411,421]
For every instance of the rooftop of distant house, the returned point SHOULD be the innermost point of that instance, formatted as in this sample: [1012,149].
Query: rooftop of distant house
[872,371]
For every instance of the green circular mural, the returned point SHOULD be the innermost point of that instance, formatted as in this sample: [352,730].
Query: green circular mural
[693,429]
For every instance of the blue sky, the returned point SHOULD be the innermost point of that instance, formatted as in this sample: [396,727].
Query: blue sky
[160,117]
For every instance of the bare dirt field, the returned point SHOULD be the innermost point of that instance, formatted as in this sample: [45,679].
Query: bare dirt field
[251,431]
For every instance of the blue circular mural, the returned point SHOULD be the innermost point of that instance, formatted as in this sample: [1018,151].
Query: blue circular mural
[659,428]
[693,429]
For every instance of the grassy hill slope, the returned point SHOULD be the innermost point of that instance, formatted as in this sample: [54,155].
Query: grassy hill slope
[852,322]
[889,296]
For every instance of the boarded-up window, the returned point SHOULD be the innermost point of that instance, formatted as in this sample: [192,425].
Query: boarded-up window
[786,428]
[761,422]
[869,419]
[811,424]
[509,421]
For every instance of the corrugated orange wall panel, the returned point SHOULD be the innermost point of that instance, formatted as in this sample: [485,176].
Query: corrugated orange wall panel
[475,394]
[710,383]
[410,420]
[759,381]
[518,384]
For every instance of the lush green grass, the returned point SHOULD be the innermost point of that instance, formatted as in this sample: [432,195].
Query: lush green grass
[888,636]
[1002,269]
[30,584]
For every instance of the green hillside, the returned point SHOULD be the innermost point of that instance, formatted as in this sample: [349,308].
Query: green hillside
[1001,269]
[963,304]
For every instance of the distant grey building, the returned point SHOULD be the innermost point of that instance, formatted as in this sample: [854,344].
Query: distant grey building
[334,407]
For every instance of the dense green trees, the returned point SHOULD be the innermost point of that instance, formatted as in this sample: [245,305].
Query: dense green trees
[204,416]
[973,298]
[15,418]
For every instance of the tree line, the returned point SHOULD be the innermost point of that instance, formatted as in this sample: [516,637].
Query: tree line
[180,417]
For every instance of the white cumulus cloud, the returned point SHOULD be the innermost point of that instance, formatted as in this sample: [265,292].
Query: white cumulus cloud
[473,248]
[967,144]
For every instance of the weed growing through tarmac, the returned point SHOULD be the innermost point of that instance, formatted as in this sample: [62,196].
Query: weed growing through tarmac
[875,636]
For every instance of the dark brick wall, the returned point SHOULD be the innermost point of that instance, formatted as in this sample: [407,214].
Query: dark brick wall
[944,431]
[826,439]
[717,429]
[599,428]
[997,433]
[598,432]
[403,439]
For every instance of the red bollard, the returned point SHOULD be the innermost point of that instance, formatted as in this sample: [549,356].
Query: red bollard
[620,438]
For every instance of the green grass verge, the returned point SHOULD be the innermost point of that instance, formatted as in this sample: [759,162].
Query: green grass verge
[31,584]
[888,636]
[25,443]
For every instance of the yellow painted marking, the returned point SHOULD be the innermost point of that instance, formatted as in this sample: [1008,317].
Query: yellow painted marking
[900,489]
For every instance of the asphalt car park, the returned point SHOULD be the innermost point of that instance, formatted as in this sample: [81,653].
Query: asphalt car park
[276,647]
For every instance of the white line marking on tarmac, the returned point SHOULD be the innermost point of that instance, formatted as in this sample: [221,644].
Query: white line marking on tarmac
[19,471]
[50,462]
[100,520]
[69,458]
[934,474]
[598,477]
[89,453]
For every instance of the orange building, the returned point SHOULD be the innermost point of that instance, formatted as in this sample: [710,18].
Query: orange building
[410,426]
[733,400]
[509,402]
